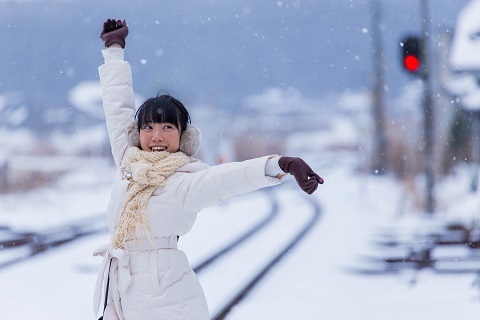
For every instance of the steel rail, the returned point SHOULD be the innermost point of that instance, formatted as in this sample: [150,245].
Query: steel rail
[242,293]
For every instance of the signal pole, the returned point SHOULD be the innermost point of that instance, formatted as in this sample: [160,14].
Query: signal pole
[380,140]
[428,111]
[416,61]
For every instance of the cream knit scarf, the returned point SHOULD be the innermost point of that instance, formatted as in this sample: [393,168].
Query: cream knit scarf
[146,171]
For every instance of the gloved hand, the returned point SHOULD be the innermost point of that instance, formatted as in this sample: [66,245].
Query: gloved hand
[114,31]
[306,178]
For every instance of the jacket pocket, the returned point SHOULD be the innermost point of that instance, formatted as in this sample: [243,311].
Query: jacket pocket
[163,277]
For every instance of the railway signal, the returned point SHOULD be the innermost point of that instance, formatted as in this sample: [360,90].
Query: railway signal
[412,55]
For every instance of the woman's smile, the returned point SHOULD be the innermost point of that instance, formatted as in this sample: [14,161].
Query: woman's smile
[158,149]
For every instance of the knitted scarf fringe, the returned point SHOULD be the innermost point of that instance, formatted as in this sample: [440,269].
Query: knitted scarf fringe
[149,171]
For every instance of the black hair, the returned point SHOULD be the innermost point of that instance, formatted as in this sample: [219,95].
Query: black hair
[163,108]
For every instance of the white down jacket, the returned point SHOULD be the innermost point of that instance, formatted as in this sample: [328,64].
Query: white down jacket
[155,281]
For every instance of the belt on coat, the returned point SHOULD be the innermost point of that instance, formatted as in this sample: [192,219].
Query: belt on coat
[120,276]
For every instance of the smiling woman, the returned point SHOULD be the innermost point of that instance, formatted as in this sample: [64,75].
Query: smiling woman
[163,114]
[157,137]
[157,193]
[161,122]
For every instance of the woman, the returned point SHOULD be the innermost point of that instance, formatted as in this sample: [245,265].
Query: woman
[157,193]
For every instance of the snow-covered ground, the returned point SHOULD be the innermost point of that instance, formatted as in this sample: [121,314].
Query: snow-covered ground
[310,283]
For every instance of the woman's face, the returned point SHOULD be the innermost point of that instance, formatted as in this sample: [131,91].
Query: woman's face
[159,137]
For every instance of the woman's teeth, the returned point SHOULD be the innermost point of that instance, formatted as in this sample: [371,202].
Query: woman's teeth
[158,149]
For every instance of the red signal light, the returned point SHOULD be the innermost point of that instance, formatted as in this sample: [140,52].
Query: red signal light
[412,55]
[411,63]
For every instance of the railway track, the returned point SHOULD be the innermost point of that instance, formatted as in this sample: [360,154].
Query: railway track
[268,255]
[242,238]
[18,247]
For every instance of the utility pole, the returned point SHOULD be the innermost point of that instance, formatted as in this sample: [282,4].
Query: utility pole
[380,140]
[428,110]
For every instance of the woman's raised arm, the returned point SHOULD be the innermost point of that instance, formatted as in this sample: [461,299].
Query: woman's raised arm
[117,88]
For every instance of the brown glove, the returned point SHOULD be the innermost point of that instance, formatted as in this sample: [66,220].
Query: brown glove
[114,31]
[306,178]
